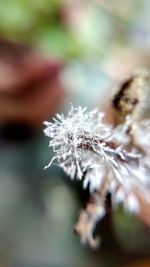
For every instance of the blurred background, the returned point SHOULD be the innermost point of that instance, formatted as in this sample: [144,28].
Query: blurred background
[53,52]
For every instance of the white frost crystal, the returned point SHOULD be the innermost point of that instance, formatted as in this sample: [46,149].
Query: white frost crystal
[87,148]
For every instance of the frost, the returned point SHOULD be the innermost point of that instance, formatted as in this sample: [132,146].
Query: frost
[107,159]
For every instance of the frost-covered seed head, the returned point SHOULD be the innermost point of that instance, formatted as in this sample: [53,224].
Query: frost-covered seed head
[103,156]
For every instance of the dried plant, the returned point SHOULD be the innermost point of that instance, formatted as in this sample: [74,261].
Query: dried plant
[109,159]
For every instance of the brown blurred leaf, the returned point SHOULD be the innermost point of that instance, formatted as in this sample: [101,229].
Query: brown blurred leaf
[140,263]
[30,90]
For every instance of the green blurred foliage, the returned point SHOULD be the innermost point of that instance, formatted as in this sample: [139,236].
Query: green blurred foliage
[23,19]
[37,22]
[44,23]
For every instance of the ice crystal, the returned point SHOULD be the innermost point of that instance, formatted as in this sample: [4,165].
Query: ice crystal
[107,159]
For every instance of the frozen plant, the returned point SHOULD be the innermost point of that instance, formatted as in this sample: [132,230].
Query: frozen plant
[108,159]
[88,149]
